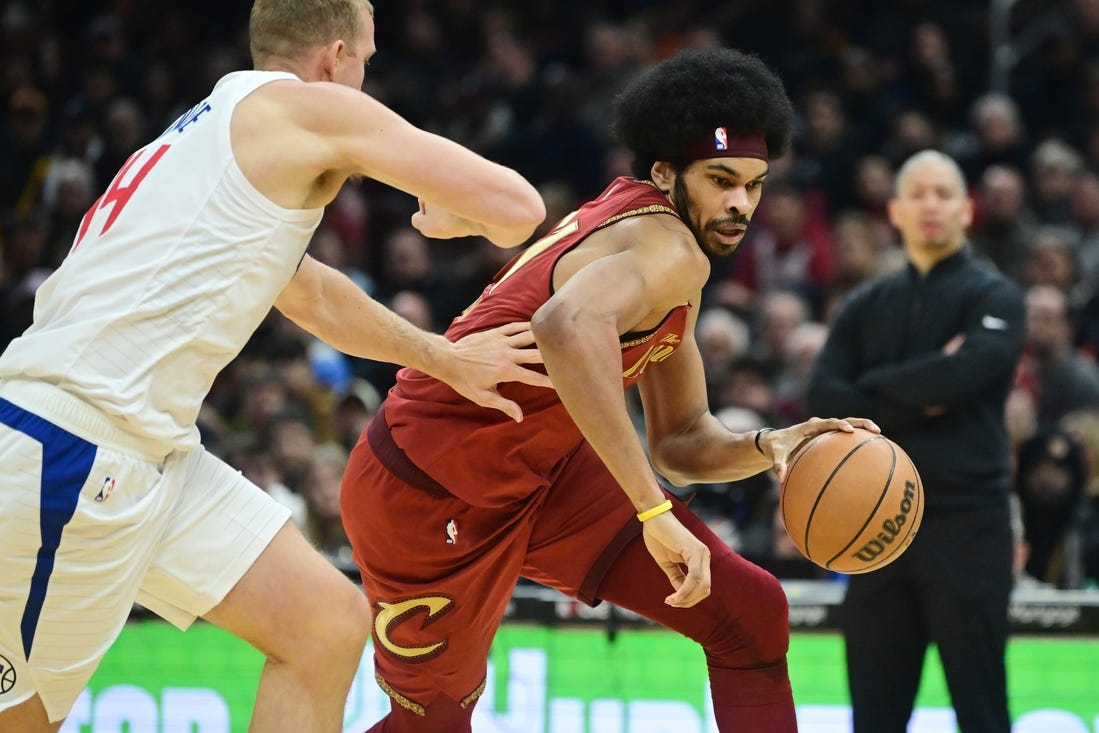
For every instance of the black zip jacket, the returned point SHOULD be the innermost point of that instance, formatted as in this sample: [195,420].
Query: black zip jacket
[883,360]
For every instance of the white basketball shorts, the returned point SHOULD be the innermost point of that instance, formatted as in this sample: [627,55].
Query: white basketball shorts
[90,525]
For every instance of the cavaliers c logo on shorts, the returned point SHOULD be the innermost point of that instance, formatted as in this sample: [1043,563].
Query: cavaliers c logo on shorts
[392,614]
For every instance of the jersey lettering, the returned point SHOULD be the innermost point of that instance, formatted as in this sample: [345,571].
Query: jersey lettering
[655,353]
[189,117]
[119,193]
[567,226]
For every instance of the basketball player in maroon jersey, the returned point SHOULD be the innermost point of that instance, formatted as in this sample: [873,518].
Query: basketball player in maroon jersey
[447,503]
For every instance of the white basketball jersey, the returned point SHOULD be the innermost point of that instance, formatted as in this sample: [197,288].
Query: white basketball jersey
[172,270]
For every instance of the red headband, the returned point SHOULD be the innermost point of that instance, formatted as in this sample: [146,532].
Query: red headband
[720,144]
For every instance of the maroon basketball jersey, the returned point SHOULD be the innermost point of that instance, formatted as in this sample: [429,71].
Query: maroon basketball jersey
[479,454]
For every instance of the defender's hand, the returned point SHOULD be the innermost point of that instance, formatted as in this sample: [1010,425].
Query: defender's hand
[482,360]
[438,223]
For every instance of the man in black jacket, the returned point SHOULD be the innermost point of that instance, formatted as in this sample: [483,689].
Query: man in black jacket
[928,353]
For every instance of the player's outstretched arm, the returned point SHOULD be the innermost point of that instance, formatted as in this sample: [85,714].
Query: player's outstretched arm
[328,305]
[363,136]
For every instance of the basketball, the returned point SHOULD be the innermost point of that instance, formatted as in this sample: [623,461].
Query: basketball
[851,502]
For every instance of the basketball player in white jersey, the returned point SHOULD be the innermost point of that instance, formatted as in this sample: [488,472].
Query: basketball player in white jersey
[106,495]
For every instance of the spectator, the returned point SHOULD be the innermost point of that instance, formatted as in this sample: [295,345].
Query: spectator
[998,136]
[863,250]
[259,467]
[723,340]
[873,186]
[910,131]
[1051,259]
[1050,481]
[124,130]
[1054,166]
[779,313]
[291,439]
[790,249]
[24,146]
[1085,224]
[321,489]
[1062,379]
[1083,426]
[67,194]
[1005,226]
[407,266]
[828,150]
[354,410]
[800,349]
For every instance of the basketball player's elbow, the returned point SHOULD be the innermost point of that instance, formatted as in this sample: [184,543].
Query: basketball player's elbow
[518,218]
[675,471]
[554,324]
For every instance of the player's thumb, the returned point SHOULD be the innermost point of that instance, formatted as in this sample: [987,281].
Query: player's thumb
[506,406]
[780,470]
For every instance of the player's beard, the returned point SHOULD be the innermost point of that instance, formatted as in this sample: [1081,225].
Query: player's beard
[683,204]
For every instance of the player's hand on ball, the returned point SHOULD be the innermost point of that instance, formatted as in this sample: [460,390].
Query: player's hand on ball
[682,557]
[781,445]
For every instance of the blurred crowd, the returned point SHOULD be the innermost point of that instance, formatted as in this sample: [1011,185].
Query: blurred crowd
[83,84]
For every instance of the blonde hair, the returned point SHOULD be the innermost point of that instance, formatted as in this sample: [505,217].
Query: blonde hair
[282,28]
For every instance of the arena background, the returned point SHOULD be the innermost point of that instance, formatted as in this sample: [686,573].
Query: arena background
[998,83]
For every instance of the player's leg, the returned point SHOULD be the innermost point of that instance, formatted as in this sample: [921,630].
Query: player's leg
[28,716]
[231,556]
[311,624]
[967,600]
[885,641]
[742,626]
[439,574]
[75,549]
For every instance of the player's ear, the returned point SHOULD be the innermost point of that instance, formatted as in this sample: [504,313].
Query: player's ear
[663,175]
[330,59]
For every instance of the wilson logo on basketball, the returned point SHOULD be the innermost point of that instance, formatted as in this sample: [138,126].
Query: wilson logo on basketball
[890,528]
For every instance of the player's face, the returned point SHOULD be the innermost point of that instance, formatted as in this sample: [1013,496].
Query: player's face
[931,208]
[717,198]
[353,59]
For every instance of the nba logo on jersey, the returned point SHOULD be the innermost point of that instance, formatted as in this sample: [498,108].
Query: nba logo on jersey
[451,532]
[105,491]
[721,139]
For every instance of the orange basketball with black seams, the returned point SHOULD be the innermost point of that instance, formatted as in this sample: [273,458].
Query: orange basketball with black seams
[852,502]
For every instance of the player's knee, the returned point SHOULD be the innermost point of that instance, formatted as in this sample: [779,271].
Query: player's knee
[759,632]
[341,626]
[356,618]
[773,624]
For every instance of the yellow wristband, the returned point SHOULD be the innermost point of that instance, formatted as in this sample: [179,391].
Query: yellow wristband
[655,511]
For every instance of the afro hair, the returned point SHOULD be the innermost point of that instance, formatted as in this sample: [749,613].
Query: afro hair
[679,100]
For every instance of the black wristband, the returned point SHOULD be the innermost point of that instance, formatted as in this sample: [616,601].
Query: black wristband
[759,434]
